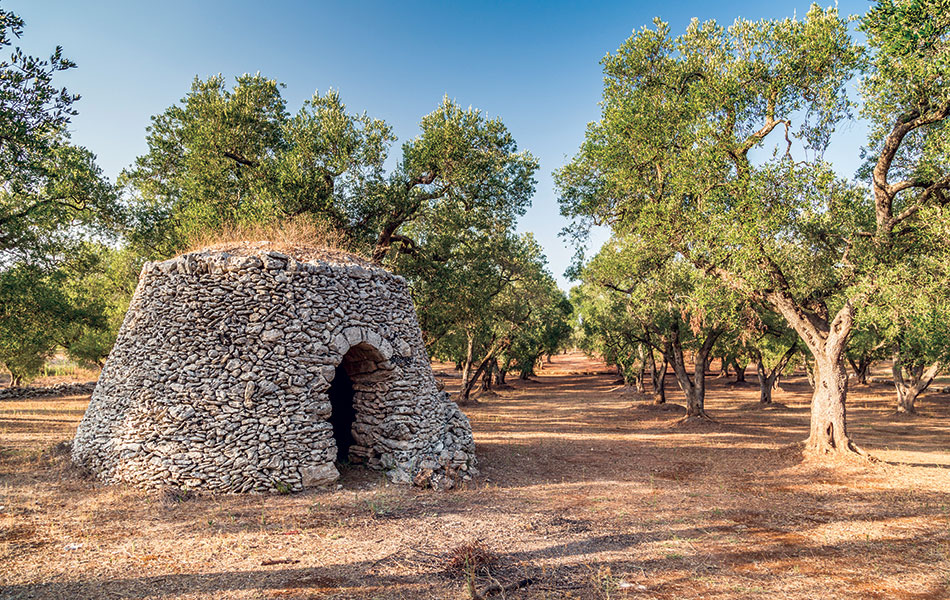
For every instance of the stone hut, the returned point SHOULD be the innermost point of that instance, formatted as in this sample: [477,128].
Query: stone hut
[244,369]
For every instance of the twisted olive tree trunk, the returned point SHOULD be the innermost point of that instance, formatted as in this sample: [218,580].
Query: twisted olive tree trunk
[826,339]
[861,368]
[767,379]
[657,377]
[641,372]
[725,362]
[694,388]
[917,381]
[740,371]
[469,358]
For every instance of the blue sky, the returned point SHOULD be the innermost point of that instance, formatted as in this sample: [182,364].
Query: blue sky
[534,64]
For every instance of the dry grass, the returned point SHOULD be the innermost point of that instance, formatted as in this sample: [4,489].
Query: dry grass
[298,237]
[470,557]
[582,493]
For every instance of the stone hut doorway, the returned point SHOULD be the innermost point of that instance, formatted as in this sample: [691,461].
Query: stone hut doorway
[343,413]
[351,394]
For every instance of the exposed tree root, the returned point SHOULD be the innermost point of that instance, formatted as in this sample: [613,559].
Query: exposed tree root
[824,450]
[701,419]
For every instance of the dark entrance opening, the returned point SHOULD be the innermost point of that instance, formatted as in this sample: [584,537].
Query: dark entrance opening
[343,412]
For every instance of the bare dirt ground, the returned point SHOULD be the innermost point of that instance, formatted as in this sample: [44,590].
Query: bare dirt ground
[583,491]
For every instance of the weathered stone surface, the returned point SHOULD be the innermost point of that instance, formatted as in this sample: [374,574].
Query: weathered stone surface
[324,474]
[218,380]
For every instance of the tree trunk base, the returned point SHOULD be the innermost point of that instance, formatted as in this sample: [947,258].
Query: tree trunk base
[906,409]
[702,418]
[824,449]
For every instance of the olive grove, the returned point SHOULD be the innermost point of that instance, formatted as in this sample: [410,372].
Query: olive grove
[711,145]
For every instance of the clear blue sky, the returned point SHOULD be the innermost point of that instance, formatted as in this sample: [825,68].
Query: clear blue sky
[534,64]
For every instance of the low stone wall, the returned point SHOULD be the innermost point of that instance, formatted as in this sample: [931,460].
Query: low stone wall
[220,375]
[60,389]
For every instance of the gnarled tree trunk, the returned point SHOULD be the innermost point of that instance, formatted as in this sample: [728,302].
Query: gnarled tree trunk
[657,377]
[766,383]
[861,367]
[724,363]
[826,339]
[909,388]
[693,388]
[469,357]
[469,385]
[767,380]
[740,371]
[641,372]
[828,431]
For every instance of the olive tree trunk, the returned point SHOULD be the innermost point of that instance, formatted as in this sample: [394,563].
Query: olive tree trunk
[725,362]
[826,339]
[641,371]
[469,357]
[468,382]
[861,368]
[767,378]
[657,377]
[918,379]
[694,388]
[740,371]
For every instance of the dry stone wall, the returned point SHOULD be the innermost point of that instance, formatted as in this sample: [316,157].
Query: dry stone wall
[220,375]
[59,389]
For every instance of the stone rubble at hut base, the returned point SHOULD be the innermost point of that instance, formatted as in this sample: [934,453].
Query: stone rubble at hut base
[219,380]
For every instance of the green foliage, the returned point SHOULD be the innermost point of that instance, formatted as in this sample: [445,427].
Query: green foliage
[669,159]
[36,314]
[52,197]
[710,143]
[604,328]
[909,63]
[103,286]
[234,157]
[906,91]
[462,174]
[909,318]
[237,157]
[544,331]
[49,187]
[494,290]
[634,293]
[444,216]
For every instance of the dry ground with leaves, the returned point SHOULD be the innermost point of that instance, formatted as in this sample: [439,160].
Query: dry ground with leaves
[585,493]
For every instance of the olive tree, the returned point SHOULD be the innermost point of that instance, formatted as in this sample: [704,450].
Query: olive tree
[49,188]
[711,142]
[669,306]
[224,156]
[52,197]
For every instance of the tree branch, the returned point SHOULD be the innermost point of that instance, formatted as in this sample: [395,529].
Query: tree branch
[240,159]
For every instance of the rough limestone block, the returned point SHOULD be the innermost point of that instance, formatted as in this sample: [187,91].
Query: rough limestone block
[320,475]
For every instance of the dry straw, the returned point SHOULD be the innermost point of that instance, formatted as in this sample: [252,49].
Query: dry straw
[298,237]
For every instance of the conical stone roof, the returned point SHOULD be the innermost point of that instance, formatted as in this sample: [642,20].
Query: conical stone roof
[221,376]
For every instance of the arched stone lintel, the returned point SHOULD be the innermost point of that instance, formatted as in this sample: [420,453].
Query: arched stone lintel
[353,336]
